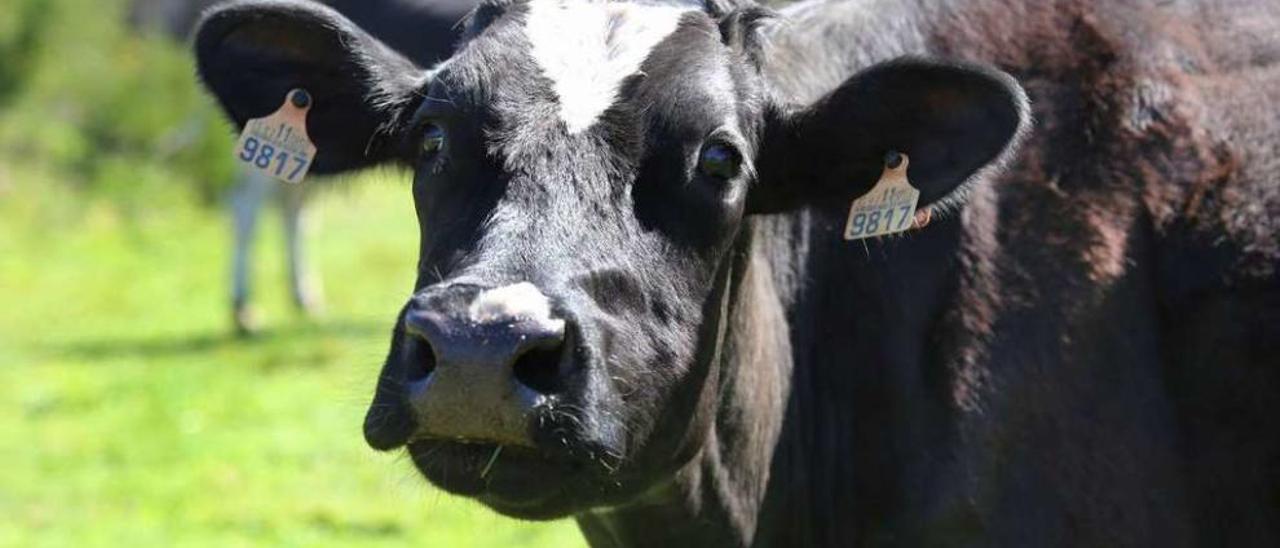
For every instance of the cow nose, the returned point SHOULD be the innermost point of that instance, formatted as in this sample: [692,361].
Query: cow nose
[481,360]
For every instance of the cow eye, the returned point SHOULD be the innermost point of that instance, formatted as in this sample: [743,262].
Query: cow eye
[432,139]
[720,161]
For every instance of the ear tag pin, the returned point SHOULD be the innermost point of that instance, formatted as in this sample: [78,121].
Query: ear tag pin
[890,206]
[277,145]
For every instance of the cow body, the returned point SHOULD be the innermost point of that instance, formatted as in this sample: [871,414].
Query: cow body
[1090,353]
[1080,350]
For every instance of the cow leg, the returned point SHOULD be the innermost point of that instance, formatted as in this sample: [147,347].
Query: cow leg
[246,201]
[307,294]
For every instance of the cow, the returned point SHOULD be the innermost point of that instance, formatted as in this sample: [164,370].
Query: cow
[423,30]
[635,304]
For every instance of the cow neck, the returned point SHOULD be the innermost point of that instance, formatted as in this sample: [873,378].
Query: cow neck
[794,399]
[714,498]
[869,389]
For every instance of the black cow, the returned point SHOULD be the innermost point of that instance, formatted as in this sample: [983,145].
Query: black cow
[634,304]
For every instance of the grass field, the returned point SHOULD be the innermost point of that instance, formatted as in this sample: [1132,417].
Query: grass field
[130,417]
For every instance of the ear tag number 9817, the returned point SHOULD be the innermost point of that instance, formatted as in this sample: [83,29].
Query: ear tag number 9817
[278,145]
[890,206]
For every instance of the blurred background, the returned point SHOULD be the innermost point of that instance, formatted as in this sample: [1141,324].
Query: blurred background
[130,412]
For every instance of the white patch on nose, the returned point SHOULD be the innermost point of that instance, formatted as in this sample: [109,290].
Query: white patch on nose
[522,301]
[587,48]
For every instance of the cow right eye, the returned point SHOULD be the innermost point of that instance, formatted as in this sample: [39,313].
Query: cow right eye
[432,139]
[720,161]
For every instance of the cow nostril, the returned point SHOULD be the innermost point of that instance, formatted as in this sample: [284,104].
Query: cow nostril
[421,359]
[539,368]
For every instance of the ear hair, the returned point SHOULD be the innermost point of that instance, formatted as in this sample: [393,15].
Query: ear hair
[742,30]
[484,15]
[955,200]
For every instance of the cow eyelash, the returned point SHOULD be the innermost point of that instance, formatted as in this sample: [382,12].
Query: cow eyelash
[713,166]
[431,138]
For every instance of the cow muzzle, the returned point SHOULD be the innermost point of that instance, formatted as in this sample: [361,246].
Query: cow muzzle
[480,361]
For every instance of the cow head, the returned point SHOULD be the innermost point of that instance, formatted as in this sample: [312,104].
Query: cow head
[582,171]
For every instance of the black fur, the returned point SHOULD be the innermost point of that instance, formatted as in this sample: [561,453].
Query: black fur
[1028,373]
[637,248]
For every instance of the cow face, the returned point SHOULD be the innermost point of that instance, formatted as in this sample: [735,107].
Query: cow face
[581,174]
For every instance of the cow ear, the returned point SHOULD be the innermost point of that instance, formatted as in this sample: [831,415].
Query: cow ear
[951,120]
[250,54]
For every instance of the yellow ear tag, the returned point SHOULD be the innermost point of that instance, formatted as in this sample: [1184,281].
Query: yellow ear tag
[278,145]
[890,206]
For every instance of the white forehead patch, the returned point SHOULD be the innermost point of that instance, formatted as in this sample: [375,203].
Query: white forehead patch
[587,48]
[522,301]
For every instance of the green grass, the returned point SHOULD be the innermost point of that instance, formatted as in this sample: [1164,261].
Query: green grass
[130,417]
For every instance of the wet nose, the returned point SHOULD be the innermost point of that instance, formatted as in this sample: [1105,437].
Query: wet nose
[480,361]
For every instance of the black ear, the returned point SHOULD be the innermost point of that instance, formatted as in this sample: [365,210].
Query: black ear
[951,120]
[250,54]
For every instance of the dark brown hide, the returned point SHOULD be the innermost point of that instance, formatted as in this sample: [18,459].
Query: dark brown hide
[1106,370]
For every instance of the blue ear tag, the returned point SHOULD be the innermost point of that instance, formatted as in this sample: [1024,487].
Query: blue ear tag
[277,145]
[890,206]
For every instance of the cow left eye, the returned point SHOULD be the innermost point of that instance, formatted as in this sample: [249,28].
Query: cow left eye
[432,139]
[720,161]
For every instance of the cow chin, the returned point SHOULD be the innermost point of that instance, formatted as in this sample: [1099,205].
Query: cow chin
[562,472]
[514,481]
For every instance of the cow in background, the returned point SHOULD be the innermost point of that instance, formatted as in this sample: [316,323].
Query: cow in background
[424,30]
